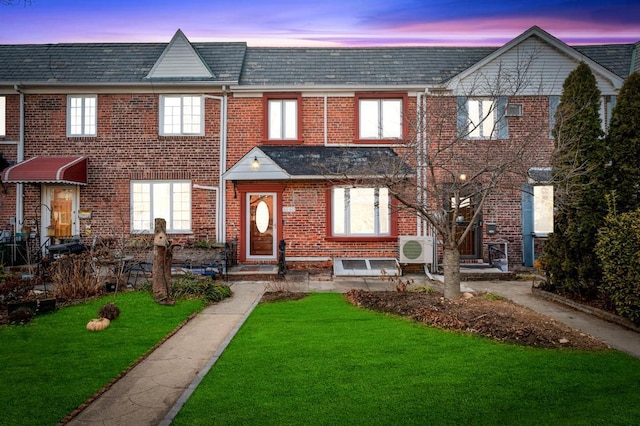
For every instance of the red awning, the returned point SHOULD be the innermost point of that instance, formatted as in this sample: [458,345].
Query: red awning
[71,170]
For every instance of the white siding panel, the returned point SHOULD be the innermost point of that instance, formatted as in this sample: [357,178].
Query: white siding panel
[180,60]
[532,67]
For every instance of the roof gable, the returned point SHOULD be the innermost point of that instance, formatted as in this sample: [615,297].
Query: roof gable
[533,63]
[180,59]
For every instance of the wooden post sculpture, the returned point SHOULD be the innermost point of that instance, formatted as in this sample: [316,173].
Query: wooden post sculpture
[162,257]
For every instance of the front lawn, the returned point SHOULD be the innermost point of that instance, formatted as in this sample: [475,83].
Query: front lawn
[53,364]
[320,361]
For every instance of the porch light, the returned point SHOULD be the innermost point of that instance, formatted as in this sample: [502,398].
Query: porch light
[462,177]
[255,164]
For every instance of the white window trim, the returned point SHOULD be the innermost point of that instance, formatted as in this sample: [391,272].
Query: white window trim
[380,118]
[83,125]
[151,218]
[345,215]
[161,114]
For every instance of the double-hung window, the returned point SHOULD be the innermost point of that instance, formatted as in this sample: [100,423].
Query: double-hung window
[380,118]
[282,117]
[482,118]
[360,212]
[170,200]
[3,116]
[82,115]
[181,115]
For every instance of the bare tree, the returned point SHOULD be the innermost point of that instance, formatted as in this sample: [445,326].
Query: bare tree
[468,161]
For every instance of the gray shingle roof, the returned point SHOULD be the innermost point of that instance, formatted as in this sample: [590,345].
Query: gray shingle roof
[105,62]
[615,57]
[356,66]
[304,160]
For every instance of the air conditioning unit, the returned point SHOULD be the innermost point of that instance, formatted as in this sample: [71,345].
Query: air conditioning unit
[513,110]
[416,249]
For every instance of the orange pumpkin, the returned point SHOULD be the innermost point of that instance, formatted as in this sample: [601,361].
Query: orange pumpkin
[98,324]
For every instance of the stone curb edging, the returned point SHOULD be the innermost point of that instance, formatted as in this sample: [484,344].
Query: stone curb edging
[607,316]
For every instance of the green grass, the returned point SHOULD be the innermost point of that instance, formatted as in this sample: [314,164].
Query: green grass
[53,364]
[321,361]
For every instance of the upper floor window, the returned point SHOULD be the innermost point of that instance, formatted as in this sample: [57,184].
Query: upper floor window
[181,115]
[482,118]
[3,115]
[82,115]
[360,212]
[380,117]
[170,200]
[282,117]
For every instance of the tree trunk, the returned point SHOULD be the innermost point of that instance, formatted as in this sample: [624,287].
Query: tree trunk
[162,257]
[451,266]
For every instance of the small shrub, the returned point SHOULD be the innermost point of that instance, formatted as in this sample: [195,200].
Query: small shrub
[491,296]
[22,314]
[196,286]
[74,277]
[424,289]
[617,247]
[109,311]
[14,289]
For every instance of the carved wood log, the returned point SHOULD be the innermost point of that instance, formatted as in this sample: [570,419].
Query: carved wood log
[162,258]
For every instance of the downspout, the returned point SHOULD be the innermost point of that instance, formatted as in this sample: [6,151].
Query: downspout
[19,159]
[326,122]
[223,165]
[220,189]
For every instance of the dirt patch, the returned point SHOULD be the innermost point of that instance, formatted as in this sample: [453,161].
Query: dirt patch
[275,296]
[495,318]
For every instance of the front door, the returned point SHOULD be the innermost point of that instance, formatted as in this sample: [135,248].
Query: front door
[59,211]
[261,232]
[470,247]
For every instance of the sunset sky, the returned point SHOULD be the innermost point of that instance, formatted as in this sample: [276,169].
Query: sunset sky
[318,23]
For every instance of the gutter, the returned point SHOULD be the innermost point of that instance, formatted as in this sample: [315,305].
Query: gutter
[19,159]
[150,83]
[327,88]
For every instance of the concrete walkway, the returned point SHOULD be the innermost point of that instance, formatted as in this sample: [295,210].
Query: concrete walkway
[153,392]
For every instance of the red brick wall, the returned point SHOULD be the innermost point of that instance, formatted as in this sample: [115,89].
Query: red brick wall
[529,132]
[304,229]
[127,146]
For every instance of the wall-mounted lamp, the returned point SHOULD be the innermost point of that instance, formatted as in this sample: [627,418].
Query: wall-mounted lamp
[462,177]
[255,164]
[235,188]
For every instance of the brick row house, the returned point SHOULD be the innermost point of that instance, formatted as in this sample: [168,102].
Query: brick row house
[229,141]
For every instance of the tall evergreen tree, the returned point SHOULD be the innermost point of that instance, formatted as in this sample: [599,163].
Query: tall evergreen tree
[623,143]
[579,176]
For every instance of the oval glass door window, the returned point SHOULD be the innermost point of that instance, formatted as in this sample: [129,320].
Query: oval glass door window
[262,217]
